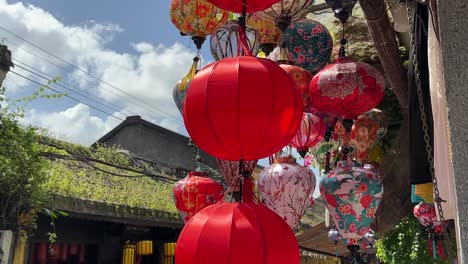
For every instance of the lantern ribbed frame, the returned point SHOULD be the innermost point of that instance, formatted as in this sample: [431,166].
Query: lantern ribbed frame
[225,40]
[287,11]
[310,132]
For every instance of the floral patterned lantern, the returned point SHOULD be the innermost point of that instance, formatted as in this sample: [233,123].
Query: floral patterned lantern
[426,214]
[309,134]
[238,6]
[369,238]
[180,90]
[269,34]
[326,152]
[352,194]
[224,41]
[231,173]
[286,11]
[347,89]
[309,44]
[246,233]
[197,18]
[381,119]
[196,192]
[242,108]
[286,188]
[301,79]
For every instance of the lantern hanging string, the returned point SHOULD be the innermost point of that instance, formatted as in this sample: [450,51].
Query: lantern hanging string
[243,45]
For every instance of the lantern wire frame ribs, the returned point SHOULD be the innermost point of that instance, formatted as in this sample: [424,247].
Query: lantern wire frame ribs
[285,12]
[225,41]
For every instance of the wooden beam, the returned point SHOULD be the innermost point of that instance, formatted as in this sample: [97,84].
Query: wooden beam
[386,46]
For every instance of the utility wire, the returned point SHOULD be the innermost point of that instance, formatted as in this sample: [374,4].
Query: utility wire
[73,89]
[86,72]
[68,96]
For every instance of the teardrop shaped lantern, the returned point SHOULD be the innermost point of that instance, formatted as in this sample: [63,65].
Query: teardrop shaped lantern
[381,119]
[286,11]
[231,172]
[268,33]
[347,88]
[310,133]
[352,194]
[195,192]
[224,41]
[237,6]
[426,214]
[180,89]
[287,188]
[309,43]
[197,18]
[242,108]
[237,233]
[326,152]
[301,79]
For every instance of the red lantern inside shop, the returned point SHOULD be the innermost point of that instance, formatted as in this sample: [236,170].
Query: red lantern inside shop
[346,89]
[237,233]
[237,6]
[196,192]
[242,108]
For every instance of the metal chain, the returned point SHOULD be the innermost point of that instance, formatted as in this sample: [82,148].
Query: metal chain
[430,158]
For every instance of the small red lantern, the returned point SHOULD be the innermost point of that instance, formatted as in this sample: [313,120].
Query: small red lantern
[347,88]
[242,108]
[251,6]
[310,133]
[426,214]
[231,173]
[301,79]
[196,192]
[237,233]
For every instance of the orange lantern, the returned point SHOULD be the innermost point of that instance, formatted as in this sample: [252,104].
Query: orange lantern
[197,18]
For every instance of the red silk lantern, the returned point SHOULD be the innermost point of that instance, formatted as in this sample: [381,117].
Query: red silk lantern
[242,108]
[237,233]
[287,188]
[196,192]
[230,171]
[301,79]
[310,133]
[237,6]
[347,88]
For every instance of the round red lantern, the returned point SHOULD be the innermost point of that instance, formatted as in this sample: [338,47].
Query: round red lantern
[231,173]
[237,6]
[301,79]
[237,233]
[347,88]
[242,108]
[310,133]
[426,214]
[196,192]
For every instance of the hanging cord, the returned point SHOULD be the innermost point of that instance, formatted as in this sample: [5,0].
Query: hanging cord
[384,13]
[243,45]
[430,158]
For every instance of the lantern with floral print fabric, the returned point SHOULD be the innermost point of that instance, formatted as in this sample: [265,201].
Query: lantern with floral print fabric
[287,11]
[326,152]
[268,33]
[309,44]
[381,119]
[426,214]
[352,194]
[224,41]
[287,188]
[196,192]
[309,134]
[231,173]
[347,88]
[197,18]
[237,6]
[301,79]
[369,238]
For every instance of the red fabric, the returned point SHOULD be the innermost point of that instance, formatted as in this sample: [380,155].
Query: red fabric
[347,88]
[64,253]
[196,192]
[41,253]
[242,107]
[301,78]
[82,253]
[237,233]
[235,6]
[310,133]
[54,254]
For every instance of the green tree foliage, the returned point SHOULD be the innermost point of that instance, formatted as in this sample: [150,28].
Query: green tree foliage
[405,244]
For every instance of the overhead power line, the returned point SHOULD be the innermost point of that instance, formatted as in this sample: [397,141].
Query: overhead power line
[68,96]
[85,72]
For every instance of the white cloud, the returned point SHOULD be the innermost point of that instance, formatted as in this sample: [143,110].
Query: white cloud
[149,73]
[76,124]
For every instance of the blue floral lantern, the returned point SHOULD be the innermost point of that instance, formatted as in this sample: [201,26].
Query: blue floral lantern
[352,194]
[309,44]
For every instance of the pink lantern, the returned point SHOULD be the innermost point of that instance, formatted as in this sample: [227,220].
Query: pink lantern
[426,214]
[309,134]
[231,173]
[352,194]
[286,188]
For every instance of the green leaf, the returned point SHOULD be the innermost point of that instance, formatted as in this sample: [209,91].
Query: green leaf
[324,149]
